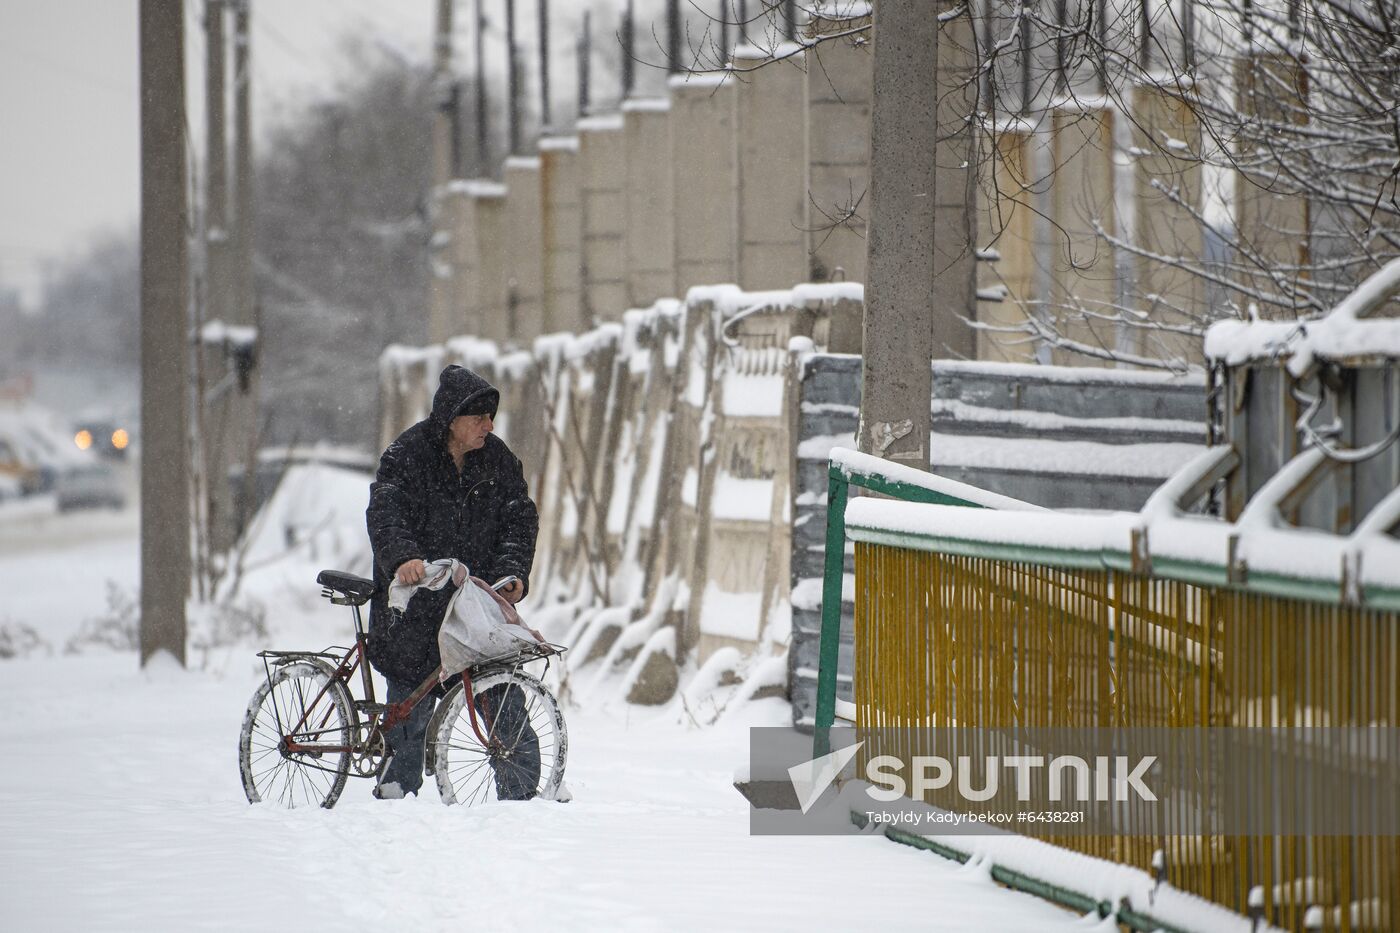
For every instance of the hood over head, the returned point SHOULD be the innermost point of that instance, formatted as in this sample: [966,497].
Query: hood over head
[459,388]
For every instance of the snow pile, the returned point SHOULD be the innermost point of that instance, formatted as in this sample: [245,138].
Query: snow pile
[316,515]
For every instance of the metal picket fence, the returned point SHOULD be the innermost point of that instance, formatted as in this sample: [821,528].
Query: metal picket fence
[955,631]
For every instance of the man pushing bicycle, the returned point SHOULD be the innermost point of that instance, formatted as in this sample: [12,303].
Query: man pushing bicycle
[446,488]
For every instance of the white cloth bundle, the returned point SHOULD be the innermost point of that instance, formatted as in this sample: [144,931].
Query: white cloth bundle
[478,625]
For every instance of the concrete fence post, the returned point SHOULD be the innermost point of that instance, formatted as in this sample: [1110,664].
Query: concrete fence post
[562,225]
[601,174]
[772,170]
[1083,272]
[524,220]
[1006,212]
[1167,177]
[651,240]
[954,196]
[838,88]
[702,155]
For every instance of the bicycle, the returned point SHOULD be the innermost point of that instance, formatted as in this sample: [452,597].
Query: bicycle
[304,733]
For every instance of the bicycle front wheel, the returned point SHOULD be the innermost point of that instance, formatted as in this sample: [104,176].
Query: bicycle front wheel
[525,744]
[301,704]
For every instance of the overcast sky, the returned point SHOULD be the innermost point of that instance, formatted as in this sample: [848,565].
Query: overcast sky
[69,120]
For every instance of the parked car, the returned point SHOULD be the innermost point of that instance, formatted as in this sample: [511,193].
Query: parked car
[93,485]
[104,438]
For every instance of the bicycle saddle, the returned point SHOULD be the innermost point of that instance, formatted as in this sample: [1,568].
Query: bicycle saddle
[356,588]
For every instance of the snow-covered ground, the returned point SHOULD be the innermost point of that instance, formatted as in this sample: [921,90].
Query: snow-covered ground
[121,807]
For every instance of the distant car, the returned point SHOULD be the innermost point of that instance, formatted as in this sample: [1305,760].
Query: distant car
[17,473]
[103,438]
[92,486]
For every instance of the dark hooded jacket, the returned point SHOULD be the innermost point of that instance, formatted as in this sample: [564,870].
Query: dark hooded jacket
[421,507]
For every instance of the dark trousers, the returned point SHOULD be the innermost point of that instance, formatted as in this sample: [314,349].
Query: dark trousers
[503,718]
[407,740]
[507,723]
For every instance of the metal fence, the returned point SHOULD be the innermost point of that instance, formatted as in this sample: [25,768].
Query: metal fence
[980,635]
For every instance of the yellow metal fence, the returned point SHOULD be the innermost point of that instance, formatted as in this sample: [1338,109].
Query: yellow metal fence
[944,640]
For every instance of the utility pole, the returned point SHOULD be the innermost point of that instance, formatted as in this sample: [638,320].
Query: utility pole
[215,501]
[165,509]
[790,20]
[216,162]
[585,52]
[240,440]
[242,311]
[479,37]
[442,89]
[444,311]
[897,381]
[629,76]
[725,54]
[673,36]
[512,79]
[544,67]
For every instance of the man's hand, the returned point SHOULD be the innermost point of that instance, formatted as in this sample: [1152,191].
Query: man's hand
[411,571]
[513,593]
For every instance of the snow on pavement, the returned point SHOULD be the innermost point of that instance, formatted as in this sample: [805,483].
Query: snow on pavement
[122,810]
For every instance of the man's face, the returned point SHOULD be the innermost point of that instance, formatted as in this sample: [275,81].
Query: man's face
[469,431]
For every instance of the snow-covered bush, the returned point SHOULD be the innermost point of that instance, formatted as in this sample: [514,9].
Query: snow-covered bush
[18,640]
[116,629]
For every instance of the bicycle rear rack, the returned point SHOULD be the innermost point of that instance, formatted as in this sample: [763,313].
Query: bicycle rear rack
[334,652]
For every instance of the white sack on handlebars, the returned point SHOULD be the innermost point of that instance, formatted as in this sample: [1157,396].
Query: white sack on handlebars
[476,629]
[478,624]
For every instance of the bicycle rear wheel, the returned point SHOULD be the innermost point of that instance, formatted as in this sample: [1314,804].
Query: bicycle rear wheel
[526,742]
[292,696]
